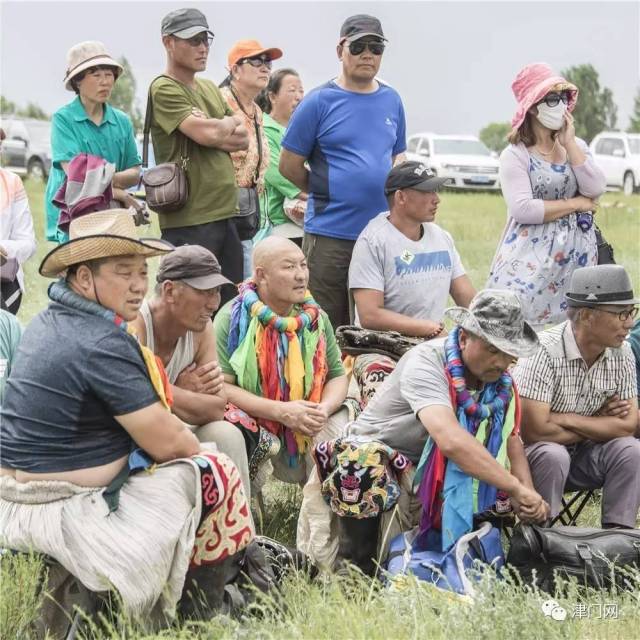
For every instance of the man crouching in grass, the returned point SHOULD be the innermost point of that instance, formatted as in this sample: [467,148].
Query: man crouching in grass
[450,409]
[86,406]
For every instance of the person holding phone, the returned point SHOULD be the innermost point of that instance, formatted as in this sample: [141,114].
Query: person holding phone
[551,185]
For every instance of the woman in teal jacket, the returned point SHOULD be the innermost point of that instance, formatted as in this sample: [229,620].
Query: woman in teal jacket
[88,124]
[281,97]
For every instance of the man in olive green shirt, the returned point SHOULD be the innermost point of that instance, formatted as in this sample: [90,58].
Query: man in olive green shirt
[190,113]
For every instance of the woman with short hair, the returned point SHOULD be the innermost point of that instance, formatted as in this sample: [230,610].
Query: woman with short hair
[249,71]
[89,124]
[550,183]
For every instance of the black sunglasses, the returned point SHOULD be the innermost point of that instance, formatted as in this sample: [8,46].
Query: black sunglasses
[623,316]
[256,62]
[202,38]
[553,99]
[358,46]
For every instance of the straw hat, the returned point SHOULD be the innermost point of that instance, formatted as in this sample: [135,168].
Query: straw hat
[100,235]
[85,55]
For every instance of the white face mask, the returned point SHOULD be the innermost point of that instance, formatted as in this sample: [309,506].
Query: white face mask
[552,117]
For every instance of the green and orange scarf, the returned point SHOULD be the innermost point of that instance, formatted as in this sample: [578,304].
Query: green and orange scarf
[276,357]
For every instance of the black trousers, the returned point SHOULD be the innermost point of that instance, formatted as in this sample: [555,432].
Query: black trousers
[8,291]
[221,238]
[328,260]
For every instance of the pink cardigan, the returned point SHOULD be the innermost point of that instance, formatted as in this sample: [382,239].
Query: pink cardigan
[522,207]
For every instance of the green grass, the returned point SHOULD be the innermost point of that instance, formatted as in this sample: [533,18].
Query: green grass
[352,607]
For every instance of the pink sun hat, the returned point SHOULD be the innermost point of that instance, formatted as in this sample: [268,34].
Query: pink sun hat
[532,83]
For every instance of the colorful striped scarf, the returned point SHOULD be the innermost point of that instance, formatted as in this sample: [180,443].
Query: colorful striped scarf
[449,496]
[280,358]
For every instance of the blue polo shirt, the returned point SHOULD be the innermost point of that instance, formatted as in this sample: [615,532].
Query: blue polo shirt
[349,140]
[73,132]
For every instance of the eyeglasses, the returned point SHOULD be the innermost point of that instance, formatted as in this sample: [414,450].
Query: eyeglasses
[623,316]
[202,38]
[553,99]
[358,46]
[256,62]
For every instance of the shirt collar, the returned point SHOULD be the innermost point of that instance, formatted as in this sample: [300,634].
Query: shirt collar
[80,115]
[571,350]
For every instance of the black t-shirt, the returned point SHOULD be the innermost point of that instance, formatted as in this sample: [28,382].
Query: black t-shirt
[72,374]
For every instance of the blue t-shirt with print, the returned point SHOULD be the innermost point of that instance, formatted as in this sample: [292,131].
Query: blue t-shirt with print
[349,140]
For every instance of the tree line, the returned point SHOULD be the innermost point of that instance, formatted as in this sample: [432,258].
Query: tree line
[596,110]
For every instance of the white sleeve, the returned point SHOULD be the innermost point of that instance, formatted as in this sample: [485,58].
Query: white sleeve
[20,242]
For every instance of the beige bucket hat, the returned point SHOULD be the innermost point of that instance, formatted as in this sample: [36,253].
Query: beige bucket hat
[85,55]
[100,235]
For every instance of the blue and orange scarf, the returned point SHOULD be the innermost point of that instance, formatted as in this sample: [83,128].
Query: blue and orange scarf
[449,496]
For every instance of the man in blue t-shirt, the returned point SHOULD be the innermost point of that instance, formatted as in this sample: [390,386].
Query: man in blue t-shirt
[349,131]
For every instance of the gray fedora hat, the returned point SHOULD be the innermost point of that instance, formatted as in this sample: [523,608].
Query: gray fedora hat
[496,316]
[602,284]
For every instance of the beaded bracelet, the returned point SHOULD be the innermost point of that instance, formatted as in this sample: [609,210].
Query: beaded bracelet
[435,333]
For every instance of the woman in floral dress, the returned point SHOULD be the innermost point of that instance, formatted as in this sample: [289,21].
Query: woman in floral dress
[550,183]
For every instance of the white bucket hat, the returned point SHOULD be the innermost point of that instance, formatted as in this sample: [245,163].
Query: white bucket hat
[85,55]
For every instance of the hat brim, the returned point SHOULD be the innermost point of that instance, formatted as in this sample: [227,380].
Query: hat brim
[272,53]
[210,281]
[432,184]
[99,246]
[357,36]
[189,32]
[288,230]
[554,83]
[521,348]
[103,61]
[581,302]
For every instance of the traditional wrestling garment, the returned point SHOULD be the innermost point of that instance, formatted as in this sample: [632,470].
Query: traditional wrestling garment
[144,532]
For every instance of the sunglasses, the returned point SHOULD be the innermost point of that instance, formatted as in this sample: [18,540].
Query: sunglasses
[553,99]
[202,38]
[623,316]
[358,46]
[256,62]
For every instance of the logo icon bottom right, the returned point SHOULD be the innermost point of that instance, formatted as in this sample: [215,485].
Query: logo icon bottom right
[552,609]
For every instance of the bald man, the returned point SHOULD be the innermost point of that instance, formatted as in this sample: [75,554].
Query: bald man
[279,357]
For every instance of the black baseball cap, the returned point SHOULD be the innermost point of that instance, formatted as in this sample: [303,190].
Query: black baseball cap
[413,175]
[194,265]
[185,23]
[359,26]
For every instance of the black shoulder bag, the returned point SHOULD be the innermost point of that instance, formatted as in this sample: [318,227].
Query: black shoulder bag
[166,185]
[247,218]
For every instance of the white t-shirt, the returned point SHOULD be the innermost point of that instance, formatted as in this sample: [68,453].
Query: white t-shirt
[415,276]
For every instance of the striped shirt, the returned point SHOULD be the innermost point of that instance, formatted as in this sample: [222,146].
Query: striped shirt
[558,376]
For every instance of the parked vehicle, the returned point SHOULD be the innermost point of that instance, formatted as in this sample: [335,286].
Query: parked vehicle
[27,148]
[464,159]
[618,154]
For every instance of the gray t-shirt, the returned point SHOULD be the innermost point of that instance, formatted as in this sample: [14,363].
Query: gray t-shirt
[415,276]
[417,382]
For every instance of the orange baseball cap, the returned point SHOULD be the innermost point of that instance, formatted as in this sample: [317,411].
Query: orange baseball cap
[250,49]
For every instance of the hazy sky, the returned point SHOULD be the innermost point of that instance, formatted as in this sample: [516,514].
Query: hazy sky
[452,62]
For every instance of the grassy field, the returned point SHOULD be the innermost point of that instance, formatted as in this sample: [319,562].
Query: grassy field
[351,607]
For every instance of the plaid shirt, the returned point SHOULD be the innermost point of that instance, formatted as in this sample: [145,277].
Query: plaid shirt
[557,374]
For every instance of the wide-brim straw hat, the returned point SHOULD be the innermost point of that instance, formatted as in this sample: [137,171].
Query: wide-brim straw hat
[532,83]
[497,317]
[85,55]
[104,234]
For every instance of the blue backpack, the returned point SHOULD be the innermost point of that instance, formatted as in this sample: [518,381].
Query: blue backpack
[449,570]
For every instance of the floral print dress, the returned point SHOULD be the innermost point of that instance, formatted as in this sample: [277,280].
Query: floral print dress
[536,261]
